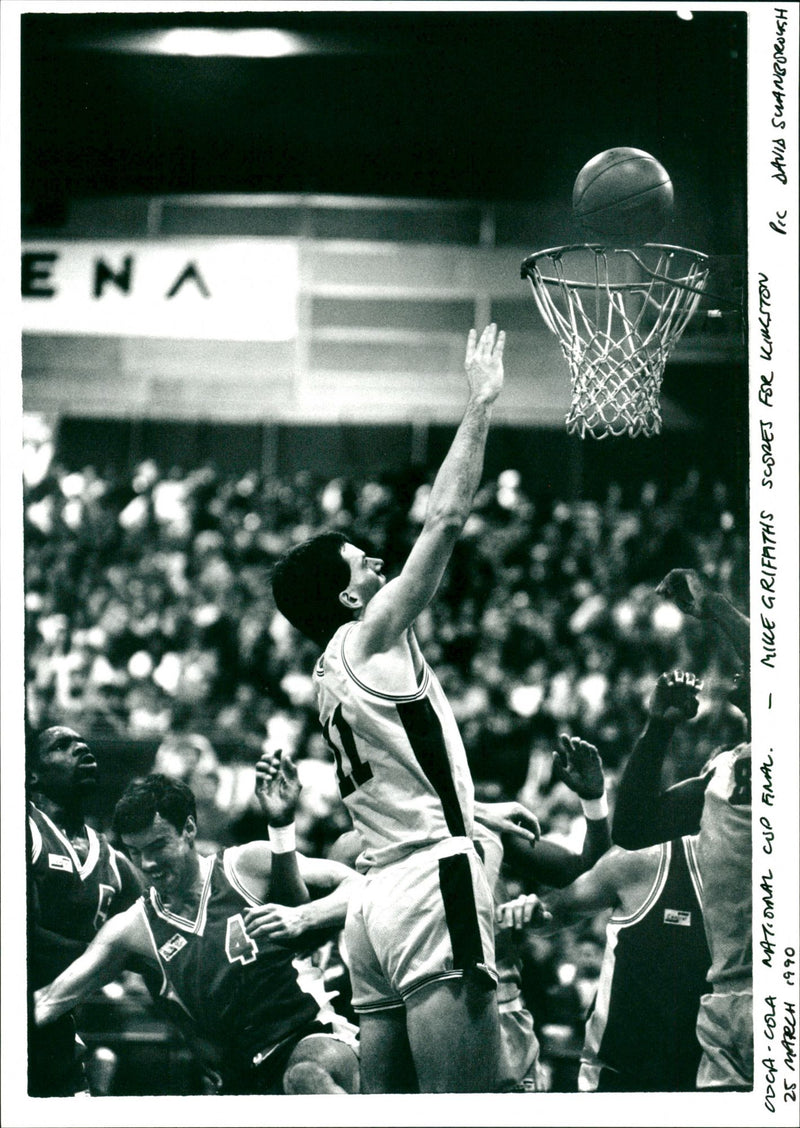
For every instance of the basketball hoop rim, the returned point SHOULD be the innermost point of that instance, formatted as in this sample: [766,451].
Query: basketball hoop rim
[528,263]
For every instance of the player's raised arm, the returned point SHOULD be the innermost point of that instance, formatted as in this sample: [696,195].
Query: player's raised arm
[644,813]
[120,938]
[691,594]
[395,607]
[273,870]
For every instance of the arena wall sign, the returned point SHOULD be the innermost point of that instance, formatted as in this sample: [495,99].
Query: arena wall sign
[220,289]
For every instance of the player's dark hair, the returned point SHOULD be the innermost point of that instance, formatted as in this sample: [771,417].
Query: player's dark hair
[306,583]
[156,794]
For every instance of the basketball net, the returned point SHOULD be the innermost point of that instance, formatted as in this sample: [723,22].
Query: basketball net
[617,322]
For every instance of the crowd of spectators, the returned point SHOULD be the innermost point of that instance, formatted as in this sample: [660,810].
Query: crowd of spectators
[149,615]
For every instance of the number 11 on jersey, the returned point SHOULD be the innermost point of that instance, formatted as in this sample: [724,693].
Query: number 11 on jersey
[360,771]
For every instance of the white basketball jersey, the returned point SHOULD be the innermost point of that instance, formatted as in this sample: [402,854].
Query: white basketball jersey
[400,760]
[724,854]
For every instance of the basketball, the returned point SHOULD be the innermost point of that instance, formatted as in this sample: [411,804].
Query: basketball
[623,194]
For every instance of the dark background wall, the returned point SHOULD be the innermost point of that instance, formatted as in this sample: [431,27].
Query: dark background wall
[500,105]
[487,117]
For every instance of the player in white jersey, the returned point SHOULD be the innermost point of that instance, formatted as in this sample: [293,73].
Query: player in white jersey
[716,805]
[420,935]
[408,742]
[725,1022]
[577,765]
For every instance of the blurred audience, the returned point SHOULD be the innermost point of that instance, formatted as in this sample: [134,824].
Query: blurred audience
[149,615]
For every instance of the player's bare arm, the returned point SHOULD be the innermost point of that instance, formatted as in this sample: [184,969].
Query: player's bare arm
[284,922]
[120,938]
[600,888]
[510,818]
[644,813]
[577,764]
[271,870]
[393,609]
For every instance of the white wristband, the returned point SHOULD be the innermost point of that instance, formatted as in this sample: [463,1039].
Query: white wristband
[595,808]
[282,839]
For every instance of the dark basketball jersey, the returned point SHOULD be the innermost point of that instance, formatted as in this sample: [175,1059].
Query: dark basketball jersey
[654,972]
[241,995]
[75,897]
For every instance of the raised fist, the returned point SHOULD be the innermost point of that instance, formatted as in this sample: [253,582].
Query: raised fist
[686,590]
[675,697]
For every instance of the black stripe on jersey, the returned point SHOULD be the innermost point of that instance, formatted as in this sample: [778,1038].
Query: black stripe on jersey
[424,732]
[455,882]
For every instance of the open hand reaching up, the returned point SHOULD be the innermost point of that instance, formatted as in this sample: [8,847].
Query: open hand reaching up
[277,787]
[483,363]
[578,765]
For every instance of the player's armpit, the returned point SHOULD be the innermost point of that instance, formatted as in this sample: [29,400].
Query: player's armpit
[660,818]
[133,884]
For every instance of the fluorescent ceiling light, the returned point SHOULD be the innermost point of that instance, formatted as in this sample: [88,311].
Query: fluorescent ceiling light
[254,43]
[207,42]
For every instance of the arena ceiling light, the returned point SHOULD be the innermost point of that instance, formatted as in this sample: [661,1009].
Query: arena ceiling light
[248,43]
[212,42]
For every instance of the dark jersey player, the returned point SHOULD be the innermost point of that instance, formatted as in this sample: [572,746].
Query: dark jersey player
[76,881]
[641,1031]
[716,805]
[243,1003]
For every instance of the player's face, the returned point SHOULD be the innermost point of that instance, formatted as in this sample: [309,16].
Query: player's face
[365,573]
[163,854]
[66,767]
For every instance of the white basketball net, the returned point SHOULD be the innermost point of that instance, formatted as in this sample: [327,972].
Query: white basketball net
[616,327]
